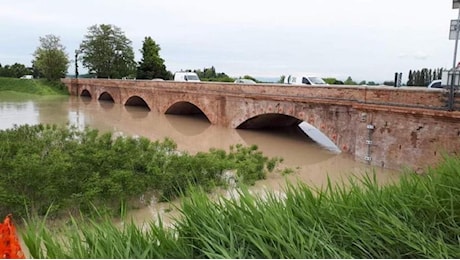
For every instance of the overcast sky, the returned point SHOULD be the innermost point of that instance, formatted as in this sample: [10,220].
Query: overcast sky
[365,39]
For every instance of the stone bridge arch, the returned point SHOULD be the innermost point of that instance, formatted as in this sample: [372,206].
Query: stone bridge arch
[187,107]
[330,120]
[103,93]
[106,96]
[137,101]
[269,120]
[85,93]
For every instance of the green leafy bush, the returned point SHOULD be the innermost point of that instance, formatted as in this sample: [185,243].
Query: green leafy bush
[46,165]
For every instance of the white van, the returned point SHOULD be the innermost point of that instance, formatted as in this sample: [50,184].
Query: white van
[304,80]
[186,76]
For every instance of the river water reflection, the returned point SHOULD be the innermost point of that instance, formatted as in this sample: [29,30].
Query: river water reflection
[312,163]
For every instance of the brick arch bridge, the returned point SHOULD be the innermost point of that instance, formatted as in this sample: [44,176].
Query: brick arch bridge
[384,126]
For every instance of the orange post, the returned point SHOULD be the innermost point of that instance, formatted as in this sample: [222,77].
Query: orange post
[9,242]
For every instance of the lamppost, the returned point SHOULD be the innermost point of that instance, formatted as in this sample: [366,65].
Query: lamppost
[117,62]
[78,51]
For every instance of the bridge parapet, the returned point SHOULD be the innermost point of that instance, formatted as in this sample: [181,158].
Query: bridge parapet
[415,97]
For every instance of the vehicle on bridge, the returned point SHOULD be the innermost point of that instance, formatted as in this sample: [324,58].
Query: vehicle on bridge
[304,80]
[186,76]
[245,81]
[435,84]
[27,77]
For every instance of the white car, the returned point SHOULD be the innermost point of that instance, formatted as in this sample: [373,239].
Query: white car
[27,77]
[304,80]
[245,81]
[186,76]
[435,84]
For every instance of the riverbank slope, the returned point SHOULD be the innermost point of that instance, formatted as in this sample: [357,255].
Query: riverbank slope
[33,86]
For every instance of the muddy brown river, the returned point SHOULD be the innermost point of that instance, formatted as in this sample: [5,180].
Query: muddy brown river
[312,162]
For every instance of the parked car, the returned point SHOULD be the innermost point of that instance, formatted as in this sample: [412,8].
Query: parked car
[304,80]
[245,81]
[186,76]
[437,83]
[27,77]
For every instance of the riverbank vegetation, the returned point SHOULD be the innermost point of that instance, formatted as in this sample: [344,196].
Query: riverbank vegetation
[418,217]
[33,86]
[59,169]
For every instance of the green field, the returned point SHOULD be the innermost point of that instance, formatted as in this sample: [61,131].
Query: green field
[33,86]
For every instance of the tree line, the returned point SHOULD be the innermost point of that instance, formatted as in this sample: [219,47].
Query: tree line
[105,52]
[423,77]
[14,71]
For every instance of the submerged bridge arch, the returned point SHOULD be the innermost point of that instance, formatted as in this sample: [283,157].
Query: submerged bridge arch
[85,93]
[189,107]
[106,96]
[136,100]
[331,120]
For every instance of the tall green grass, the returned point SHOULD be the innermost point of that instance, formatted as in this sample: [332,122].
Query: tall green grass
[418,217]
[33,86]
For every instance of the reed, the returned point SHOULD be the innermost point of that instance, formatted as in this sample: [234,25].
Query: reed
[417,217]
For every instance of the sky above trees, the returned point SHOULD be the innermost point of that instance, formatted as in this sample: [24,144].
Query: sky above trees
[364,39]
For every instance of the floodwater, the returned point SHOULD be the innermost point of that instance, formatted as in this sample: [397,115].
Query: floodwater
[312,163]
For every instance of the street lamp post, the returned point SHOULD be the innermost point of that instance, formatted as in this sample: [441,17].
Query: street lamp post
[118,56]
[76,62]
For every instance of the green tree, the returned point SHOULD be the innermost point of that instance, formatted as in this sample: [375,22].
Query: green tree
[210,74]
[152,65]
[51,60]
[18,70]
[15,71]
[371,83]
[107,52]
[410,80]
[281,80]
[333,81]
[5,71]
[349,81]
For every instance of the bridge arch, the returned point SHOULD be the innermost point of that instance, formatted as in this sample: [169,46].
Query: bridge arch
[85,93]
[106,96]
[186,108]
[137,101]
[269,120]
[281,120]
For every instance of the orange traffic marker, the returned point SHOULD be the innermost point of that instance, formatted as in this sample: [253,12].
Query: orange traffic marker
[9,243]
